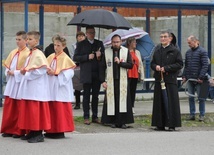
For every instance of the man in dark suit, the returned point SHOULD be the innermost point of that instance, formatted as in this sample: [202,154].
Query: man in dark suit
[88,53]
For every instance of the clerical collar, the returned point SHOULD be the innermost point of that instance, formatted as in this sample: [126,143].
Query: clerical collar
[91,41]
[165,46]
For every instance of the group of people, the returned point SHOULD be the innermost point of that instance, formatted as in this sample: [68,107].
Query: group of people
[108,67]
[166,63]
[120,68]
[36,99]
[40,90]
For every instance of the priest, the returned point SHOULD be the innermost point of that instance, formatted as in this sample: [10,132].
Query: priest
[117,109]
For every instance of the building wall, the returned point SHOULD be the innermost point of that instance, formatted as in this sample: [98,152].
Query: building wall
[126,12]
[56,23]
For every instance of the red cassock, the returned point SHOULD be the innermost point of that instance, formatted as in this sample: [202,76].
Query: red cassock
[61,117]
[35,115]
[10,117]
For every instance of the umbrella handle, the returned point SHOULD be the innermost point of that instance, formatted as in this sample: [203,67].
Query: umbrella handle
[162,82]
[186,89]
[161,76]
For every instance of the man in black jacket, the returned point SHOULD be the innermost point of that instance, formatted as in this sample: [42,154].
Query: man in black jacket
[196,67]
[88,53]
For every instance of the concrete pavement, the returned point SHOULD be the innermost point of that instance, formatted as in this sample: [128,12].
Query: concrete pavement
[123,142]
[145,107]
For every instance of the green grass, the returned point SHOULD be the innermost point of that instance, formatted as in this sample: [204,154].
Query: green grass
[208,121]
[145,120]
[78,119]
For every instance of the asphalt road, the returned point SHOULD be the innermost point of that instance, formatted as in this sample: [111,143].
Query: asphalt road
[147,143]
[122,142]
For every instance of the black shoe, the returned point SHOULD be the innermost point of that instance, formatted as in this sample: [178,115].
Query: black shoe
[16,136]
[87,122]
[201,118]
[6,135]
[96,120]
[191,118]
[77,106]
[123,126]
[159,128]
[36,139]
[48,135]
[171,129]
[113,126]
[55,135]
[28,136]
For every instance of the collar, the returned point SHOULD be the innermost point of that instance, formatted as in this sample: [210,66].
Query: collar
[165,46]
[91,41]
[194,48]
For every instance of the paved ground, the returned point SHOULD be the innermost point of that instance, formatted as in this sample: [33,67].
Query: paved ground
[138,140]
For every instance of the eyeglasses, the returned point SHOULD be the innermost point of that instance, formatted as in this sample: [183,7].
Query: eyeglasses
[91,32]
[164,36]
[115,42]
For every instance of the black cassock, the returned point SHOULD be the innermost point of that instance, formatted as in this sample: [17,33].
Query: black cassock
[118,118]
[170,58]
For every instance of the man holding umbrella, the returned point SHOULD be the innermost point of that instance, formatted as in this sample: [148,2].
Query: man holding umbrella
[166,63]
[88,53]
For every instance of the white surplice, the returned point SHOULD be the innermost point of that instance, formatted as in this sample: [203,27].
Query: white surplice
[34,85]
[61,86]
[13,82]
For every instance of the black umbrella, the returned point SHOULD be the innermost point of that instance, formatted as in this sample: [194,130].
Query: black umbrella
[165,97]
[204,88]
[100,18]
[76,79]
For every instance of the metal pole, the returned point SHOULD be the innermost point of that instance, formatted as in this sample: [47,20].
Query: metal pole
[26,15]
[148,21]
[147,63]
[41,24]
[114,9]
[79,9]
[1,44]
[209,38]
[179,28]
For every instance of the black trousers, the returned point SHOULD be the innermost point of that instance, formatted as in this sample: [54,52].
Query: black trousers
[77,96]
[89,88]
[133,87]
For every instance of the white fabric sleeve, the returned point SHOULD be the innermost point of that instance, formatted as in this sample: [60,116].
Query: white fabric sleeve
[65,76]
[36,73]
[18,76]
[7,76]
